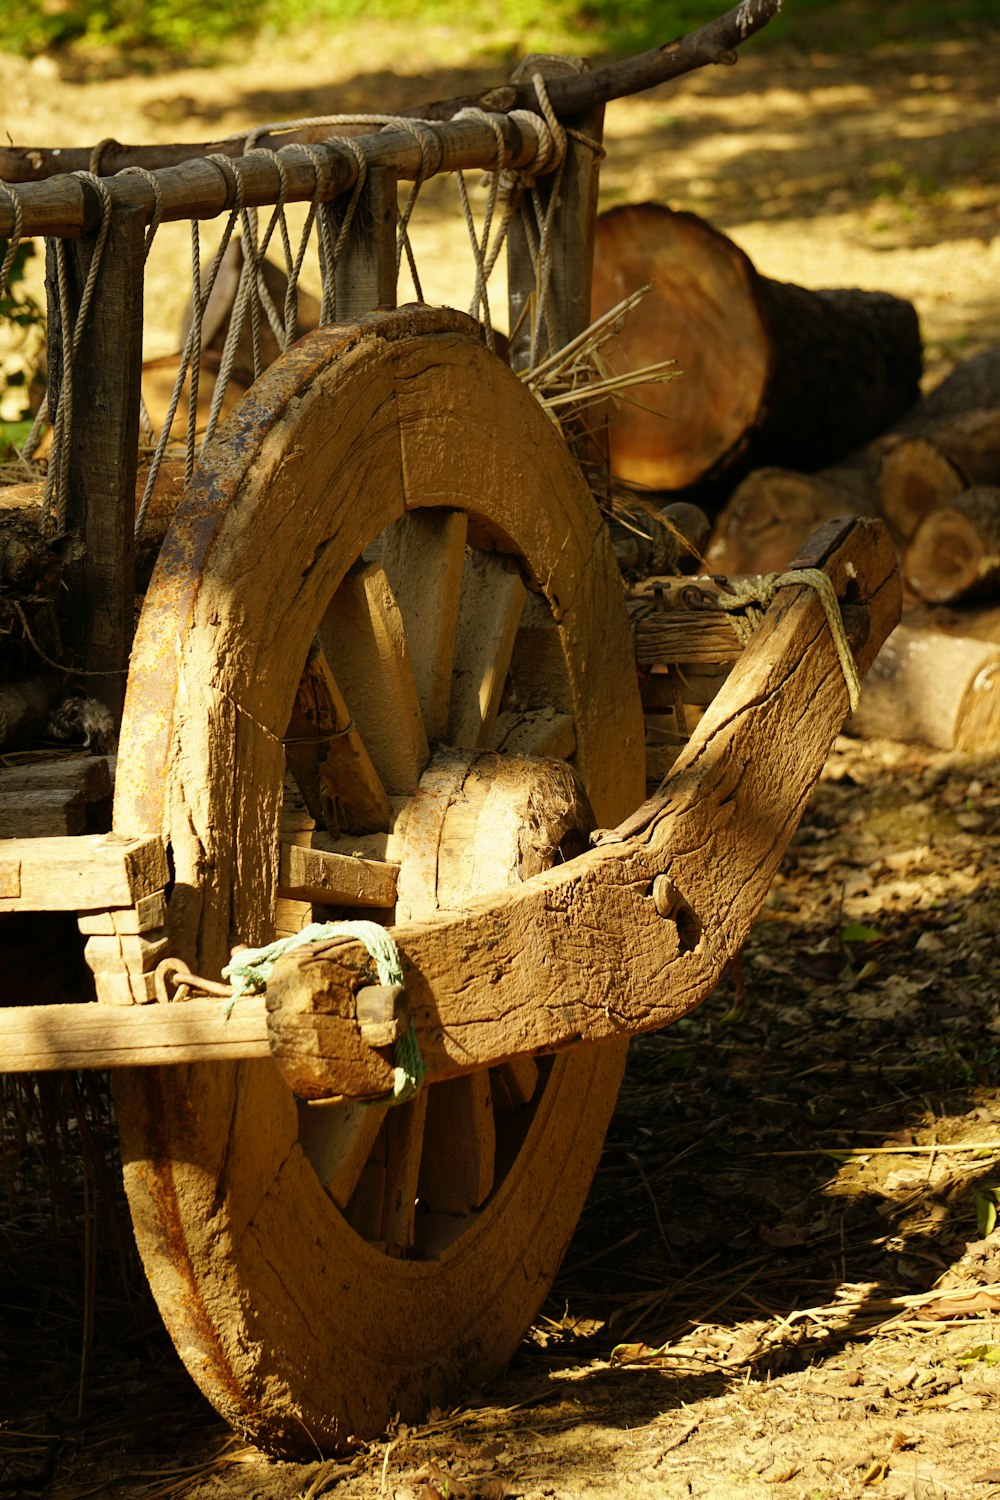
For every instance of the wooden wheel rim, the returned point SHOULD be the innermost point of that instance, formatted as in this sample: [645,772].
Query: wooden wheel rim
[297,1330]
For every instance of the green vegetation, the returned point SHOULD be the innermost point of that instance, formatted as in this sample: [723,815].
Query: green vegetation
[22,321]
[145,33]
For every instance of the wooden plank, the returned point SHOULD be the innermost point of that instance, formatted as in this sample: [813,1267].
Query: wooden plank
[492,601]
[366,270]
[38,1038]
[47,798]
[364,640]
[404,1140]
[148,913]
[92,871]
[338,1138]
[571,244]
[424,555]
[456,1171]
[104,449]
[334,879]
[351,792]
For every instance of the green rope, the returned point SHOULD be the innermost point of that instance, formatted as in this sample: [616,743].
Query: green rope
[249,970]
[751,596]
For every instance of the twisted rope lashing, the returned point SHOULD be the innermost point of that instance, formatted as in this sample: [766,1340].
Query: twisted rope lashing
[191,353]
[55,506]
[481,243]
[746,599]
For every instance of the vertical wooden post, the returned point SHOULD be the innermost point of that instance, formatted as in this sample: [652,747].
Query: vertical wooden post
[366,271]
[572,242]
[103,446]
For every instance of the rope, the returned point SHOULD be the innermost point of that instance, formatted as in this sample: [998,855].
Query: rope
[249,970]
[481,243]
[191,355]
[747,598]
[55,506]
[15,239]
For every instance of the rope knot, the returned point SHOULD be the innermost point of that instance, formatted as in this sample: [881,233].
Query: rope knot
[746,599]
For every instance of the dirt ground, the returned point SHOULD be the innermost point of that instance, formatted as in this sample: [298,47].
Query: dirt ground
[786,1281]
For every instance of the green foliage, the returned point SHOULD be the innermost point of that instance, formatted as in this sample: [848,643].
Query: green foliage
[22,325]
[144,32]
[139,30]
[986,1211]
[16,305]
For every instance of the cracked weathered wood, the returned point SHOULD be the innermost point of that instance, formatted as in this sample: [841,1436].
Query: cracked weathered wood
[590,950]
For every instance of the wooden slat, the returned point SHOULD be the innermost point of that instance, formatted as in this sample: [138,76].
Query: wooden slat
[423,556]
[36,1038]
[48,798]
[337,1138]
[364,1211]
[103,450]
[364,640]
[351,791]
[404,1139]
[365,277]
[492,601]
[456,1172]
[91,872]
[571,246]
[331,878]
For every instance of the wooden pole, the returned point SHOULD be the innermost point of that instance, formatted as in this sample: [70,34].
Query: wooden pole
[572,241]
[103,445]
[366,270]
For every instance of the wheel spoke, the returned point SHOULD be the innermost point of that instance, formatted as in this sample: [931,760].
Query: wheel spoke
[404,1139]
[514,1084]
[536,731]
[338,1140]
[424,555]
[456,1172]
[326,755]
[492,601]
[538,668]
[363,638]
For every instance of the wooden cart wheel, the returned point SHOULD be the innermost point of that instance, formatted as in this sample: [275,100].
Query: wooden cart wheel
[390,530]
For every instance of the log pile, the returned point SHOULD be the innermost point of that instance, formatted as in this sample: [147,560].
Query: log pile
[934,478]
[794,408]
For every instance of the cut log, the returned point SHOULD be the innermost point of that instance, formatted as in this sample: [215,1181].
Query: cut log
[973,385]
[772,373]
[920,471]
[930,688]
[954,554]
[769,515]
[916,475]
[927,458]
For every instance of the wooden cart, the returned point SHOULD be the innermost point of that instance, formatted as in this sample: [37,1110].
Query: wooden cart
[385,669]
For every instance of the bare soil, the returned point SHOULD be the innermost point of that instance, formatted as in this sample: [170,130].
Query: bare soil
[786,1281]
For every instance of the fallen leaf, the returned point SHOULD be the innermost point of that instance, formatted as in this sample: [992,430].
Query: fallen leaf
[782,1476]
